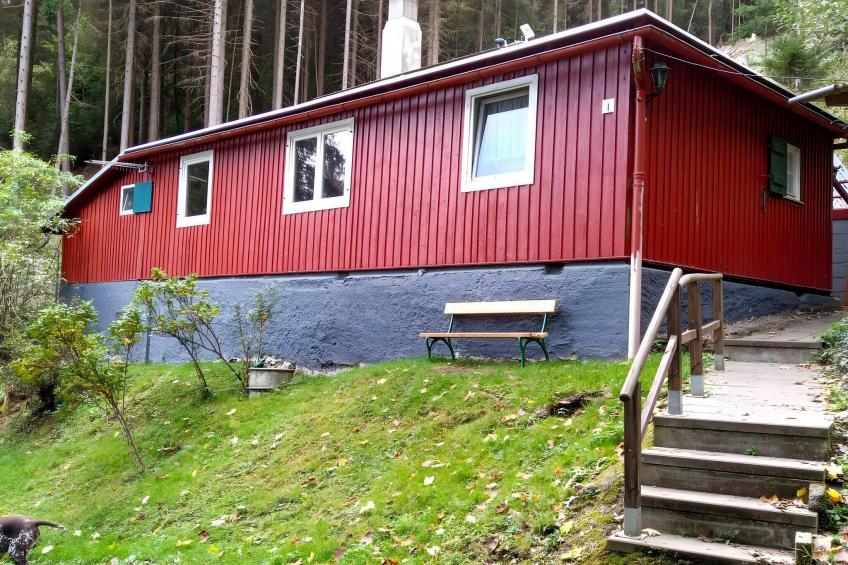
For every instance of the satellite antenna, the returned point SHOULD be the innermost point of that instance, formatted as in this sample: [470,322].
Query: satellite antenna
[528,32]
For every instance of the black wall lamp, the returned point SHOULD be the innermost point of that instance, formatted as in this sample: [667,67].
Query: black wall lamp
[659,74]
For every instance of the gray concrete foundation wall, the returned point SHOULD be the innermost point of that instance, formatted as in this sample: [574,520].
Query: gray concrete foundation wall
[341,319]
[840,258]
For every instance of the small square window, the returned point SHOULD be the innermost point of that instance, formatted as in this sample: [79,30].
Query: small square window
[500,134]
[194,201]
[127,199]
[318,168]
[793,172]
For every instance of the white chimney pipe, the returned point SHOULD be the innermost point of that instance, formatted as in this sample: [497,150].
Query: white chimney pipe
[401,39]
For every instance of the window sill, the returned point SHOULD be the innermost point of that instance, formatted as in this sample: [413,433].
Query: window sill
[290,208]
[192,221]
[794,200]
[523,178]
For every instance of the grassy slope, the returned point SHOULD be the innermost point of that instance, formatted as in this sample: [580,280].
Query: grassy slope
[303,467]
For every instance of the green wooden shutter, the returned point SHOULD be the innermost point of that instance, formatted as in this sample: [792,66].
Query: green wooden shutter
[778,161]
[142,197]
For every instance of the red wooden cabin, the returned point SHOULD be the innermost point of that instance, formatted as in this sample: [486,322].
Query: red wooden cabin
[505,175]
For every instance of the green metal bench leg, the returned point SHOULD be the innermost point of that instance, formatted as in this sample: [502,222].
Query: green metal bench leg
[431,341]
[522,344]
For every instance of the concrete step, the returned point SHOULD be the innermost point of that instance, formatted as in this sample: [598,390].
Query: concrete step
[807,438]
[725,517]
[700,551]
[728,473]
[771,351]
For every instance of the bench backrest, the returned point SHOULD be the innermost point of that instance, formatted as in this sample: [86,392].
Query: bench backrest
[500,308]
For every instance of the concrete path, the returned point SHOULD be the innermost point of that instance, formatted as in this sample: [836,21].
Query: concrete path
[793,340]
[807,331]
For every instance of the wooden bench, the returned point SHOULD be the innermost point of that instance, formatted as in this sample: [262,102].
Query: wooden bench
[542,308]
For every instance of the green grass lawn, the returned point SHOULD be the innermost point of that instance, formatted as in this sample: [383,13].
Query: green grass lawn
[408,461]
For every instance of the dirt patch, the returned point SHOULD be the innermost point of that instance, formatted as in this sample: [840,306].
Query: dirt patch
[568,406]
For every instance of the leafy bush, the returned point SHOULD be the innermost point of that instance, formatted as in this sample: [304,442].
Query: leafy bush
[251,326]
[177,308]
[62,347]
[30,221]
[834,351]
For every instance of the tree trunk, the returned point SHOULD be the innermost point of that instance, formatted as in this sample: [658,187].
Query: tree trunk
[244,82]
[107,85]
[669,7]
[379,39]
[556,6]
[61,86]
[297,66]
[354,46]
[279,56]
[187,109]
[64,136]
[480,27]
[141,105]
[710,23]
[322,50]
[346,54]
[600,10]
[155,75]
[24,70]
[207,80]
[126,114]
[218,64]
[434,32]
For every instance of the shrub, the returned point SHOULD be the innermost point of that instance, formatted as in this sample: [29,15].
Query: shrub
[61,346]
[251,326]
[30,221]
[177,308]
[834,351]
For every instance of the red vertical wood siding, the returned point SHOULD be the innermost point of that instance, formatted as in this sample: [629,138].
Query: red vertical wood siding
[707,169]
[406,208]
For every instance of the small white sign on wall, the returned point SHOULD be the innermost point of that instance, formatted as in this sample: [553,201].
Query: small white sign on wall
[608,106]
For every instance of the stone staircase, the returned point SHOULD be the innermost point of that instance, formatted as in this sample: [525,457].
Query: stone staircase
[760,431]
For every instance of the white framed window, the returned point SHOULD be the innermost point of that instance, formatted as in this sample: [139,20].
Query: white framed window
[318,168]
[194,198]
[793,172]
[126,207]
[499,135]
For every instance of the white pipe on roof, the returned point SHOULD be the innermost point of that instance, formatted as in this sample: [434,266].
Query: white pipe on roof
[819,93]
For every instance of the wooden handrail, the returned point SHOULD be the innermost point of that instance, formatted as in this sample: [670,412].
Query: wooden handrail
[636,418]
[650,336]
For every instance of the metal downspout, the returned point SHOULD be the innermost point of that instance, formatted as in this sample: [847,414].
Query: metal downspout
[639,143]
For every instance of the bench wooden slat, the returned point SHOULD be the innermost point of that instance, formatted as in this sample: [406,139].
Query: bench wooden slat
[501,307]
[494,335]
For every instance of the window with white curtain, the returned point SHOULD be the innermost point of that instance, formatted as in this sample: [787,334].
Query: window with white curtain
[500,134]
